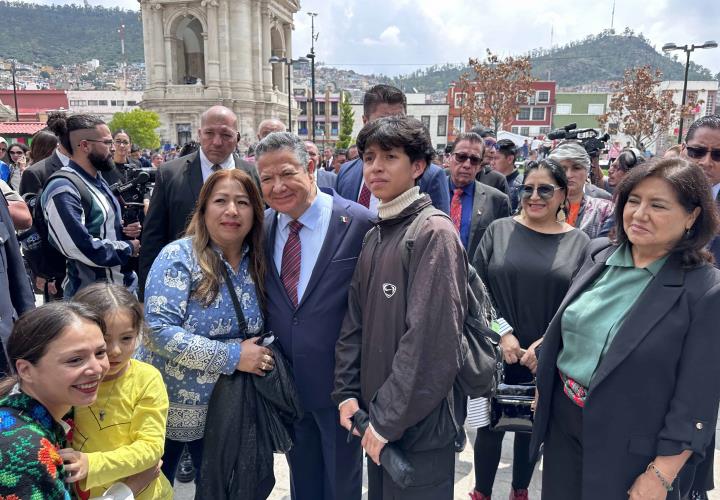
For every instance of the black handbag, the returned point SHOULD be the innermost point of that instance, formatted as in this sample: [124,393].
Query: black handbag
[511,405]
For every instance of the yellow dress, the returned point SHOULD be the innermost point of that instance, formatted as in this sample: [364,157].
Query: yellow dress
[123,433]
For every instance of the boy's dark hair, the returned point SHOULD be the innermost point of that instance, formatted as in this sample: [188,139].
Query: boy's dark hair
[398,132]
[62,126]
[380,94]
[506,147]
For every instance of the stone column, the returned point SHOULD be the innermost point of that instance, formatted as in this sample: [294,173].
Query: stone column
[168,41]
[158,43]
[212,44]
[266,51]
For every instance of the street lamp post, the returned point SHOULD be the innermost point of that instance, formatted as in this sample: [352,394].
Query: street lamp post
[687,48]
[311,56]
[289,63]
[13,69]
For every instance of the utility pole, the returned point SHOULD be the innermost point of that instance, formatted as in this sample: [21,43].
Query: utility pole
[121,30]
[612,17]
[311,56]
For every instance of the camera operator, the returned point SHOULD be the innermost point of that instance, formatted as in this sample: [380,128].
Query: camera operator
[626,160]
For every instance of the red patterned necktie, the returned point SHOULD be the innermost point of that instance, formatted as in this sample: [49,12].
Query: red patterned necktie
[290,266]
[364,198]
[456,208]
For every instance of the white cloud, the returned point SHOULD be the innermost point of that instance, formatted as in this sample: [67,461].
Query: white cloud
[418,33]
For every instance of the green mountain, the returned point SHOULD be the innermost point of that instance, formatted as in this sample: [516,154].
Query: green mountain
[68,34]
[602,57]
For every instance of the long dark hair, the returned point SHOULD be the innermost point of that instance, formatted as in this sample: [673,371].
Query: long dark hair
[35,329]
[689,184]
[208,259]
[43,145]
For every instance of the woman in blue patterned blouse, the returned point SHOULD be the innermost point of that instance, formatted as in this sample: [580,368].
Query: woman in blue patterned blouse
[194,332]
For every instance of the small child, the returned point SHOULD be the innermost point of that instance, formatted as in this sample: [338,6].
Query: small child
[121,436]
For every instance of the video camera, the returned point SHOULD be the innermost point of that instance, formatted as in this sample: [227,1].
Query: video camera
[589,138]
[131,193]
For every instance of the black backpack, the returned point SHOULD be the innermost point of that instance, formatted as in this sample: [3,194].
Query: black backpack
[480,344]
[46,261]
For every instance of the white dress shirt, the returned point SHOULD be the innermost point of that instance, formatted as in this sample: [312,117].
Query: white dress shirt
[64,159]
[315,221]
[206,165]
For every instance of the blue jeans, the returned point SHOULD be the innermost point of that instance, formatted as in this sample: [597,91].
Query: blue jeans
[173,452]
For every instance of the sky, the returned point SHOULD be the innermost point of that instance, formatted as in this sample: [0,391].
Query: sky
[398,36]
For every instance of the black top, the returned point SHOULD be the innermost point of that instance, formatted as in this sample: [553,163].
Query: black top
[527,273]
[492,178]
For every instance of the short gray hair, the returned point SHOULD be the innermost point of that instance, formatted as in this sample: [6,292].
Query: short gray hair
[283,140]
[572,151]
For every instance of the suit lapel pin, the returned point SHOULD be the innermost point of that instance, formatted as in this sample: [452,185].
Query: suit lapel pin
[479,212]
[344,219]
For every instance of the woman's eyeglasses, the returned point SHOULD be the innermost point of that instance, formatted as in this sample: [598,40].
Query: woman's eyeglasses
[121,143]
[16,153]
[462,158]
[544,191]
[696,153]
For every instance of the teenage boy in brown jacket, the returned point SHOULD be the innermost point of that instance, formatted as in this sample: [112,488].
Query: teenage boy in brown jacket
[399,347]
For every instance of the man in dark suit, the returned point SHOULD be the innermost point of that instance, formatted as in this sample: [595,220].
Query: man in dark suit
[323,178]
[178,183]
[379,101]
[473,205]
[16,296]
[34,177]
[313,239]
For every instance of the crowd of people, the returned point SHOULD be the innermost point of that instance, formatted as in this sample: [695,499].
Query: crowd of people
[316,304]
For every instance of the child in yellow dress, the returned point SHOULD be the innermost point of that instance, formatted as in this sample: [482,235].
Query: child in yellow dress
[122,434]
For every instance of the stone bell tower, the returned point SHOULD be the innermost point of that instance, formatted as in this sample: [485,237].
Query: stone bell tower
[199,53]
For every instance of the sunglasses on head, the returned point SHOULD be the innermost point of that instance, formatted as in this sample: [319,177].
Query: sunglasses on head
[544,191]
[462,158]
[697,152]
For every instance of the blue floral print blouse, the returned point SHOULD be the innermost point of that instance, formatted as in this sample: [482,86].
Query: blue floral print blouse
[192,345]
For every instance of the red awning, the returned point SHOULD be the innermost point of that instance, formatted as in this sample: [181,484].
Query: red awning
[21,128]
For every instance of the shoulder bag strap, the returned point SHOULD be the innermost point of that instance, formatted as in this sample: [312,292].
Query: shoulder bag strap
[236,303]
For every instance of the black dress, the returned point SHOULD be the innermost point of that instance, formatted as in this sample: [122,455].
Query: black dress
[527,274]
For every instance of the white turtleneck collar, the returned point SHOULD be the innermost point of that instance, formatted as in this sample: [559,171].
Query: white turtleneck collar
[393,207]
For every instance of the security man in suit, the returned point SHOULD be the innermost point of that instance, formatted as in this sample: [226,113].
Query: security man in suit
[313,239]
[473,205]
[178,183]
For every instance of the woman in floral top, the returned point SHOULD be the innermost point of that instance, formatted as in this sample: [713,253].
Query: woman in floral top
[195,335]
[58,352]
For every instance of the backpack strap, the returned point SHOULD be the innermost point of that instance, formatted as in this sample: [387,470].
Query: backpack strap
[413,230]
[85,195]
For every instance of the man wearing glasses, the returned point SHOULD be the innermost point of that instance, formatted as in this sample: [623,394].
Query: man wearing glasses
[485,173]
[473,205]
[702,147]
[178,183]
[83,215]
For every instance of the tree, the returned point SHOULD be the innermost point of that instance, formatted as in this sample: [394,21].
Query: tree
[140,124]
[497,89]
[347,118]
[639,109]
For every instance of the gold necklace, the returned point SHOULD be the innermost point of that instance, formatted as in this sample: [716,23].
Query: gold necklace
[101,412]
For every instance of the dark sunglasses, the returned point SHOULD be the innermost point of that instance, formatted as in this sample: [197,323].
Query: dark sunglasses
[16,153]
[697,153]
[462,158]
[544,191]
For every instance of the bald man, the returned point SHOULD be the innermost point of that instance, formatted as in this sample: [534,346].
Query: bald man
[178,183]
[269,126]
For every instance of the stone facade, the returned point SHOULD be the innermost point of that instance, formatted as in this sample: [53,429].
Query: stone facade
[199,53]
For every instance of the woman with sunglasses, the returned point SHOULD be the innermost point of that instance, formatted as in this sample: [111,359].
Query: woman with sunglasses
[628,378]
[17,154]
[526,262]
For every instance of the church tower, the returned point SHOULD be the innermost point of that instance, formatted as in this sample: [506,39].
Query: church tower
[199,53]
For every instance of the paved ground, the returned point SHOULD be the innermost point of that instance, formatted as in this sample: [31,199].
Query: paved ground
[464,478]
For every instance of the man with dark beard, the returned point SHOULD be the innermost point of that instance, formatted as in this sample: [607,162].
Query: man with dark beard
[83,216]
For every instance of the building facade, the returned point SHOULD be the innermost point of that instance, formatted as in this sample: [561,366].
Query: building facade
[581,108]
[534,117]
[103,103]
[199,53]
